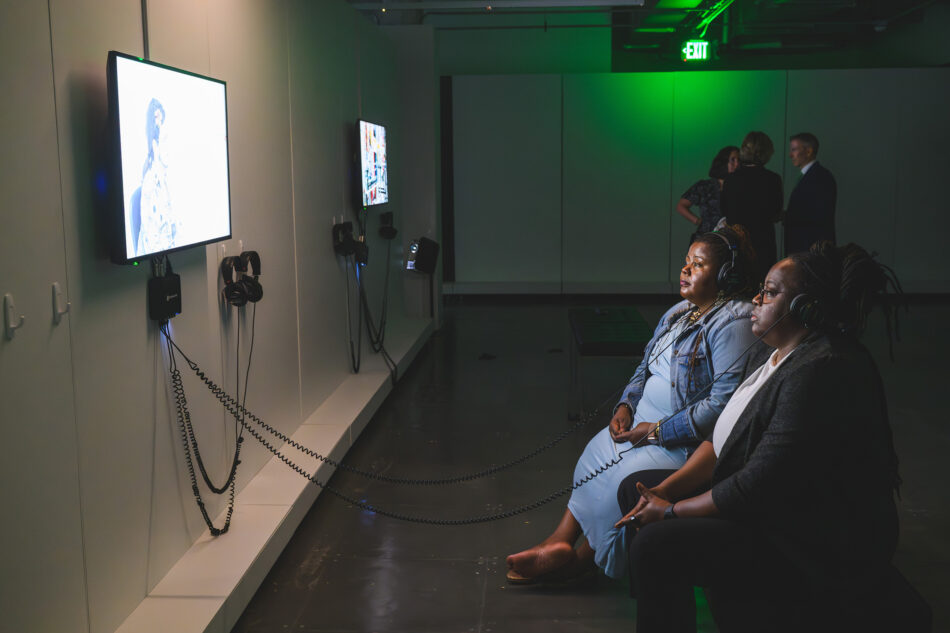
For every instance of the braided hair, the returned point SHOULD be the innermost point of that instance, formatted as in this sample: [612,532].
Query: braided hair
[849,283]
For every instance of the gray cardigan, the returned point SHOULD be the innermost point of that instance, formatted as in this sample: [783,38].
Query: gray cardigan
[811,462]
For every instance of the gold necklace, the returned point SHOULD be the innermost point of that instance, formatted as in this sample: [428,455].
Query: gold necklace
[689,319]
[696,313]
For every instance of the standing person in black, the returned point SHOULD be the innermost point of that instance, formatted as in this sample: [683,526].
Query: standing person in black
[810,216]
[799,526]
[752,196]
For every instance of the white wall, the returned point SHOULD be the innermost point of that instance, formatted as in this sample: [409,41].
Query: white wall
[507,171]
[884,135]
[616,181]
[323,119]
[42,587]
[96,498]
[420,125]
[631,144]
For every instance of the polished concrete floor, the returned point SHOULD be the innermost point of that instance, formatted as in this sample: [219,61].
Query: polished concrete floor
[491,385]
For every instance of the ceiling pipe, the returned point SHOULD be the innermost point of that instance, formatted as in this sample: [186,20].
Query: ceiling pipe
[529,27]
[487,5]
[712,15]
[577,11]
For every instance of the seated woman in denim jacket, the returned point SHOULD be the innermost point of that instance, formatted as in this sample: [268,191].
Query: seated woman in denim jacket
[696,340]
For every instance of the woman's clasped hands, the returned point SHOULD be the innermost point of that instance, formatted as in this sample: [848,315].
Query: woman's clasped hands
[651,507]
[620,425]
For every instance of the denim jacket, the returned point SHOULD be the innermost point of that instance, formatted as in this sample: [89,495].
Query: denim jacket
[718,338]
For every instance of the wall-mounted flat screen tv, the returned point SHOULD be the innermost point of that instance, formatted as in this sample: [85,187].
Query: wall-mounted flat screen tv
[170,184]
[373,170]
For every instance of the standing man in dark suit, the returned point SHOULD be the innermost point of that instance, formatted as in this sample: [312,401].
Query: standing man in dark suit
[810,216]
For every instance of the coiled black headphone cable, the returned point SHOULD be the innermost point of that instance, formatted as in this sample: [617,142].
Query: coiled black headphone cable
[190,443]
[239,412]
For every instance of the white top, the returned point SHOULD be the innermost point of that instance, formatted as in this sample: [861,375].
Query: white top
[740,400]
[808,166]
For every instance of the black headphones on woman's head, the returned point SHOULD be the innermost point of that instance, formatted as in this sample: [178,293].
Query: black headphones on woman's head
[730,277]
[808,310]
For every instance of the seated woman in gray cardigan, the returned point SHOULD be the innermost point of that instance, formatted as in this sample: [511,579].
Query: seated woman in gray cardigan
[797,524]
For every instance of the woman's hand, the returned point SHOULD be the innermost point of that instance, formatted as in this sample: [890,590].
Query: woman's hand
[683,208]
[651,507]
[620,423]
[635,434]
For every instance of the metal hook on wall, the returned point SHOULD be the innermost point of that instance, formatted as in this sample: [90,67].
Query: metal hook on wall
[11,322]
[59,311]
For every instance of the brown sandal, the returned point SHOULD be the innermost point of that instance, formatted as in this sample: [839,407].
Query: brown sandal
[514,578]
[554,579]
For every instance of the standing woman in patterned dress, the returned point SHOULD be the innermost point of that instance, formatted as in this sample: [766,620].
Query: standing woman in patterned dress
[704,194]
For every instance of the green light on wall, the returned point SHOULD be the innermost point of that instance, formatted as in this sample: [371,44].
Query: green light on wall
[695,50]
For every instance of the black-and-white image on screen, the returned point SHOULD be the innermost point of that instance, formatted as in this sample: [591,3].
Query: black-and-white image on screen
[173,135]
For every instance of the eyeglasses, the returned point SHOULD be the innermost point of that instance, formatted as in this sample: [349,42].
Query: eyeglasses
[767,293]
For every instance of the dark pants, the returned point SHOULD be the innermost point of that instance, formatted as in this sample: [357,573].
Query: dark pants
[746,578]
[627,499]
[751,585]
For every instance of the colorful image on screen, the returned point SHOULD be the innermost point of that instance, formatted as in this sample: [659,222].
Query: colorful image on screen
[373,163]
[174,158]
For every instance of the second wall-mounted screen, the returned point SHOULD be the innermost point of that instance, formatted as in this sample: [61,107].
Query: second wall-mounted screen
[373,170]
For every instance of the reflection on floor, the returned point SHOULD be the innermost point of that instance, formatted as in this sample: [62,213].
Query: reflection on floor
[491,385]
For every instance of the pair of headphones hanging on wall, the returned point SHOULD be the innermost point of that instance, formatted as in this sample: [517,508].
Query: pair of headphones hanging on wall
[246,289]
[731,276]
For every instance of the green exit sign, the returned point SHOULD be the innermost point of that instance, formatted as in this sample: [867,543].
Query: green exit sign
[695,50]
